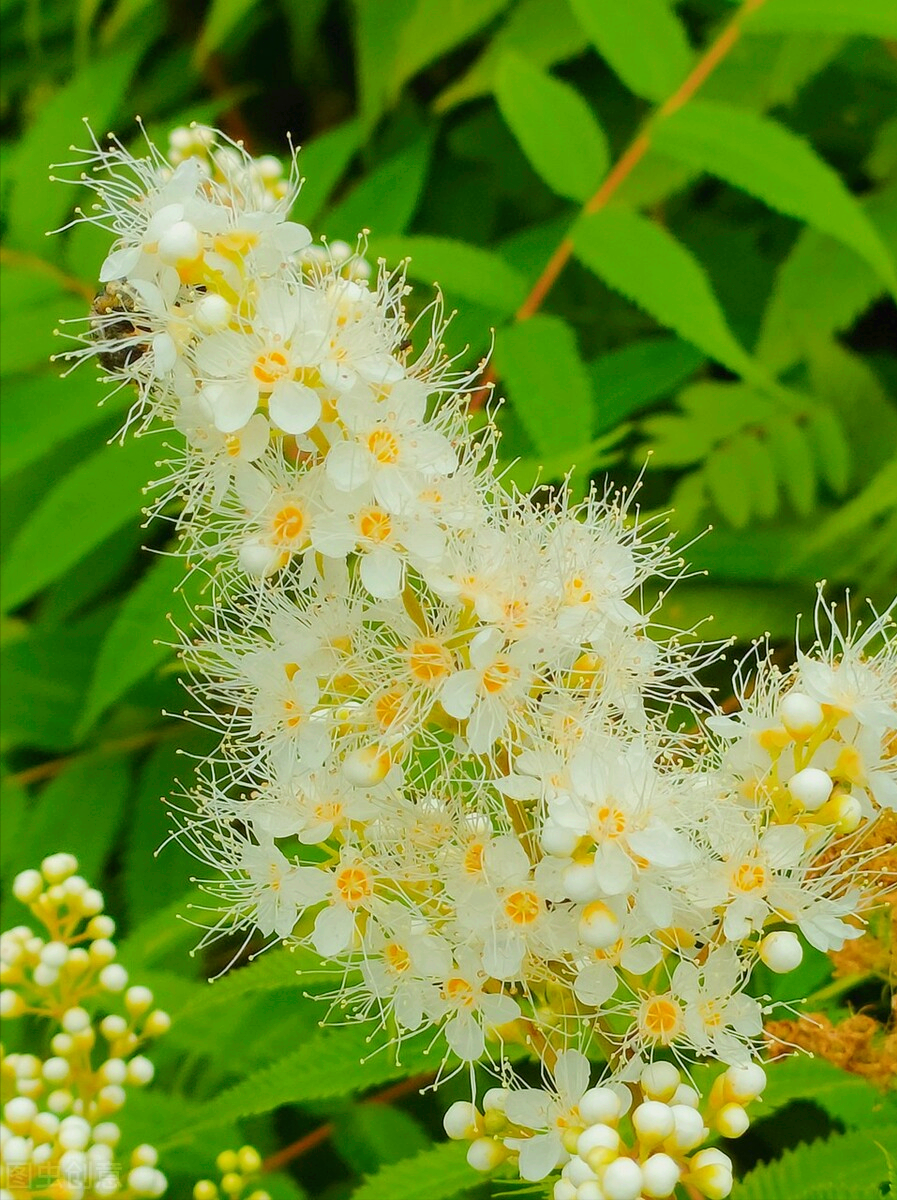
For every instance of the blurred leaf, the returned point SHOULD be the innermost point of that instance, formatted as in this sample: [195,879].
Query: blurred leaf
[763,71]
[794,463]
[874,18]
[882,160]
[554,126]
[370,1136]
[28,332]
[433,27]
[544,31]
[632,377]
[655,271]
[462,270]
[841,1164]
[832,449]
[764,158]
[293,968]
[95,92]
[725,474]
[574,464]
[14,806]
[539,361]
[865,413]
[323,162]
[736,610]
[759,473]
[643,41]
[223,18]
[77,513]
[78,811]
[876,501]
[376,30]
[138,640]
[387,198]
[439,1173]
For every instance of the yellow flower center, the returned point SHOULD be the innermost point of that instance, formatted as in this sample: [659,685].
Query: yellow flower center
[384,446]
[270,367]
[429,662]
[375,524]
[353,885]
[522,907]
[498,676]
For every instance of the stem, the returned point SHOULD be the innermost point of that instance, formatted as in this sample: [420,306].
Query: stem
[308,1142]
[137,741]
[623,168]
[839,986]
[32,262]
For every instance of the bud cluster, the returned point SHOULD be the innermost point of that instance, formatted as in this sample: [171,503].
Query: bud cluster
[59,1135]
[238,1170]
[612,1141]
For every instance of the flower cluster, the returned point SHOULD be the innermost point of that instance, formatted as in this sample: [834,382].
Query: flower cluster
[238,1170]
[608,1147]
[449,760]
[59,1135]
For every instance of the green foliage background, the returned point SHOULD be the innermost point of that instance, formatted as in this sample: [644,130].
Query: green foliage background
[726,322]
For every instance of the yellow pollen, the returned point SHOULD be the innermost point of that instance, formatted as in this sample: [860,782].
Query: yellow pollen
[397,957]
[288,523]
[353,885]
[497,676]
[473,858]
[710,1015]
[232,445]
[749,876]
[516,612]
[459,991]
[429,662]
[293,714]
[772,740]
[522,907]
[384,446]
[270,367]
[576,591]
[609,821]
[375,524]
[329,810]
[389,708]
[661,1019]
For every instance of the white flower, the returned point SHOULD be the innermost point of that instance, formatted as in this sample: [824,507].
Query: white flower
[554,1112]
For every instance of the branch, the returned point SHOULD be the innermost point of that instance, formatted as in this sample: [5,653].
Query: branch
[622,169]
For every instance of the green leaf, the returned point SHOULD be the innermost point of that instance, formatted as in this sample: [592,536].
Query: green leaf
[385,200]
[865,413]
[95,92]
[28,340]
[223,19]
[334,1062]
[783,170]
[373,1135]
[136,641]
[873,18]
[436,1174]
[830,1168]
[295,968]
[728,485]
[709,412]
[822,287]
[323,162]
[433,27]
[79,811]
[737,610]
[656,272]
[542,30]
[464,271]
[878,500]
[554,126]
[643,41]
[14,806]
[547,381]
[765,71]
[760,475]
[574,464]
[794,463]
[40,412]
[831,446]
[848,1098]
[78,513]
[631,378]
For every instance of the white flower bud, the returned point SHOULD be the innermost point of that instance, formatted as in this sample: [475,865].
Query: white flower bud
[846,813]
[11,1004]
[114,978]
[781,951]
[689,1129]
[622,1180]
[660,1174]
[75,1019]
[485,1154]
[157,1023]
[113,1070]
[113,1027]
[100,927]
[73,1166]
[75,886]
[213,312]
[27,886]
[107,1133]
[102,951]
[743,1084]
[57,867]
[599,926]
[495,1100]
[60,1100]
[659,1080]
[578,1171]
[711,1172]
[684,1094]
[16,1152]
[45,976]
[462,1121]
[92,902]
[146,1155]
[581,883]
[653,1121]
[367,765]
[56,1070]
[147,1181]
[111,1098]
[591,1190]
[74,1133]
[732,1121]
[600,1105]
[54,954]
[18,1113]
[558,839]
[138,1000]
[598,1145]
[801,715]
[564,1190]
[258,559]
[140,1071]
[810,787]
[45,1125]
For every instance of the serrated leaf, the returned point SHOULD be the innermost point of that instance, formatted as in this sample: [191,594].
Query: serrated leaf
[835,1167]
[878,500]
[334,1062]
[643,41]
[764,71]
[831,446]
[873,18]
[465,271]
[725,473]
[762,157]
[135,643]
[846,1097]
[95,92]
[547,382]
[385,200]
[554,127]
[864,410]
[651,268]
[543,30]
[794,463]
[631,378]
[295,968]
[436,1174]
[709,412]
[755,456]
[433,27]
[822,287]
[322,163]
[78,513]
[371,1136]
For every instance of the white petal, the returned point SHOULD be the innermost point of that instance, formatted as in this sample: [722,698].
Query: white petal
[289,237]
[381,573]
[119,263]
[333,930]
[232,403]
[348,466]
[459,693]
[465,1037]
[294,407]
